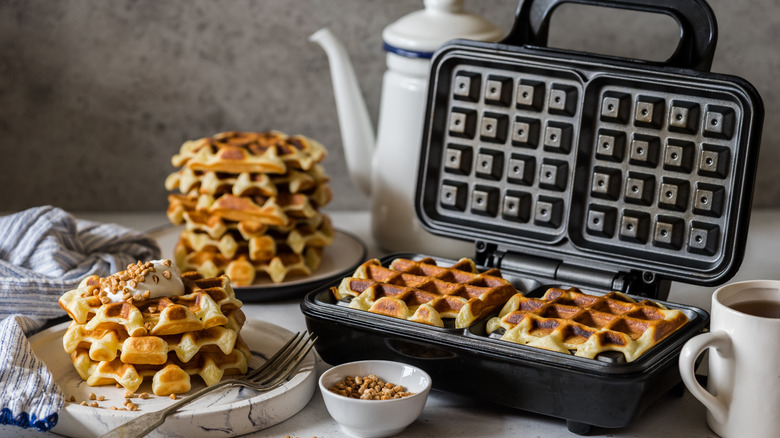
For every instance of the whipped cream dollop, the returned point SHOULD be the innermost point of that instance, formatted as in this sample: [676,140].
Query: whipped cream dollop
[143,281]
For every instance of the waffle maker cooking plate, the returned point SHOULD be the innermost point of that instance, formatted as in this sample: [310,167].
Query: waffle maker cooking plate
[571,169]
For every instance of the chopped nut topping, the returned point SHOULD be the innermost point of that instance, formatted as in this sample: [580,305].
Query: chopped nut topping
[92,396]
[94,405]
[156,279]
[172,396]
[101,398]
[73,398]
[130,277]
[144,395]
[167,275]
[369,388]
[129,394]
[83,403]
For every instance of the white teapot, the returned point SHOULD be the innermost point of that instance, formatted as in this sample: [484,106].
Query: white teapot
[387,171]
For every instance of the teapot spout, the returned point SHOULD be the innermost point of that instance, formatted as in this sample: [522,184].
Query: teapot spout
[357,133]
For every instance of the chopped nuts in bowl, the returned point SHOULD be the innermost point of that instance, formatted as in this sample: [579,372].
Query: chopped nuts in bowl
[374,398]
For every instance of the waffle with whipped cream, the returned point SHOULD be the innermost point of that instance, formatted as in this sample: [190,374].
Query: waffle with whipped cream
[152,317]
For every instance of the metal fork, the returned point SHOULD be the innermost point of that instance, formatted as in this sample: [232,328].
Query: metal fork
[281,366]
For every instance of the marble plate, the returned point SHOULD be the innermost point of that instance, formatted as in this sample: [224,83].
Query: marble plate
[225,413]
[338,260]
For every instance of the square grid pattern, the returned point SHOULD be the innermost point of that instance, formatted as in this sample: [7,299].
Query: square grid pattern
[629,166]
[510,148]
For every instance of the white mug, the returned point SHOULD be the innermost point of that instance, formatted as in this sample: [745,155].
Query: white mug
[743,385]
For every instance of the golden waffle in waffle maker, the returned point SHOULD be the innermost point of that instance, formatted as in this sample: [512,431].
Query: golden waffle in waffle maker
[596,178]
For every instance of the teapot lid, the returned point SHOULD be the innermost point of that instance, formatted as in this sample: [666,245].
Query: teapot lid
[419,34]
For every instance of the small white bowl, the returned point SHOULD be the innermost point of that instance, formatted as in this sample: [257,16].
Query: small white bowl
[376,418]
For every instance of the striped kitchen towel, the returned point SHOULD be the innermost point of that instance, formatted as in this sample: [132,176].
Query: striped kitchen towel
[45,252]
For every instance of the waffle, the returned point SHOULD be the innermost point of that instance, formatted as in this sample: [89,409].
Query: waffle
[279,210]
[107,345]
[572,322]
[204,304]
[267,152]
[195,182]
[259,247]
[172,376]
[243,271]
[262,246]
[423,292]
[216,227]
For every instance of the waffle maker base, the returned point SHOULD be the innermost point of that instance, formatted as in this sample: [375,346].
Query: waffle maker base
[584,392]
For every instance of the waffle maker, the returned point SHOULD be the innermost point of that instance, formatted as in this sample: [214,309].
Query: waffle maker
[571,169]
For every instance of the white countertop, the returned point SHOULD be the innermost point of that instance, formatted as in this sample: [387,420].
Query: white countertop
[451,415]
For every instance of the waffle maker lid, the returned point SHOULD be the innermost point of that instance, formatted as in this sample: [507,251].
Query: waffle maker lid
[592,168]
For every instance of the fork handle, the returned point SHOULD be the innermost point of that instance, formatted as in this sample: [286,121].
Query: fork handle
[144,424]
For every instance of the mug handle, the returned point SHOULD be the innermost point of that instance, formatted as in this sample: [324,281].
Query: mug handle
[690,352]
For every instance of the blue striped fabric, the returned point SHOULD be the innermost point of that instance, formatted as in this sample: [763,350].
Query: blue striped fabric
[45,252]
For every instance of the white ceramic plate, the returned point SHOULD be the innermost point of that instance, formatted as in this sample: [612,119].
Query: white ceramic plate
[226,412]
[338,259]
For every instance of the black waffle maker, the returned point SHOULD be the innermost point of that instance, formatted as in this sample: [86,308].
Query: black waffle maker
[571,169]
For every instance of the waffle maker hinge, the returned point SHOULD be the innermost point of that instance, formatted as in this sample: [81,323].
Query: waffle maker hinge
[644,284]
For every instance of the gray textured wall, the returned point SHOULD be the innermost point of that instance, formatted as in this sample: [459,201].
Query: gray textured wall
[97,95]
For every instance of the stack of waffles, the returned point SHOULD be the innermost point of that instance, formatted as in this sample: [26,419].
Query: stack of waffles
[424,292]
[154,336]
[573,322]
[250,203]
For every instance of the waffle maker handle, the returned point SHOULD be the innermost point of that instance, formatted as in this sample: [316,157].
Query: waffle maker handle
[698,27]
